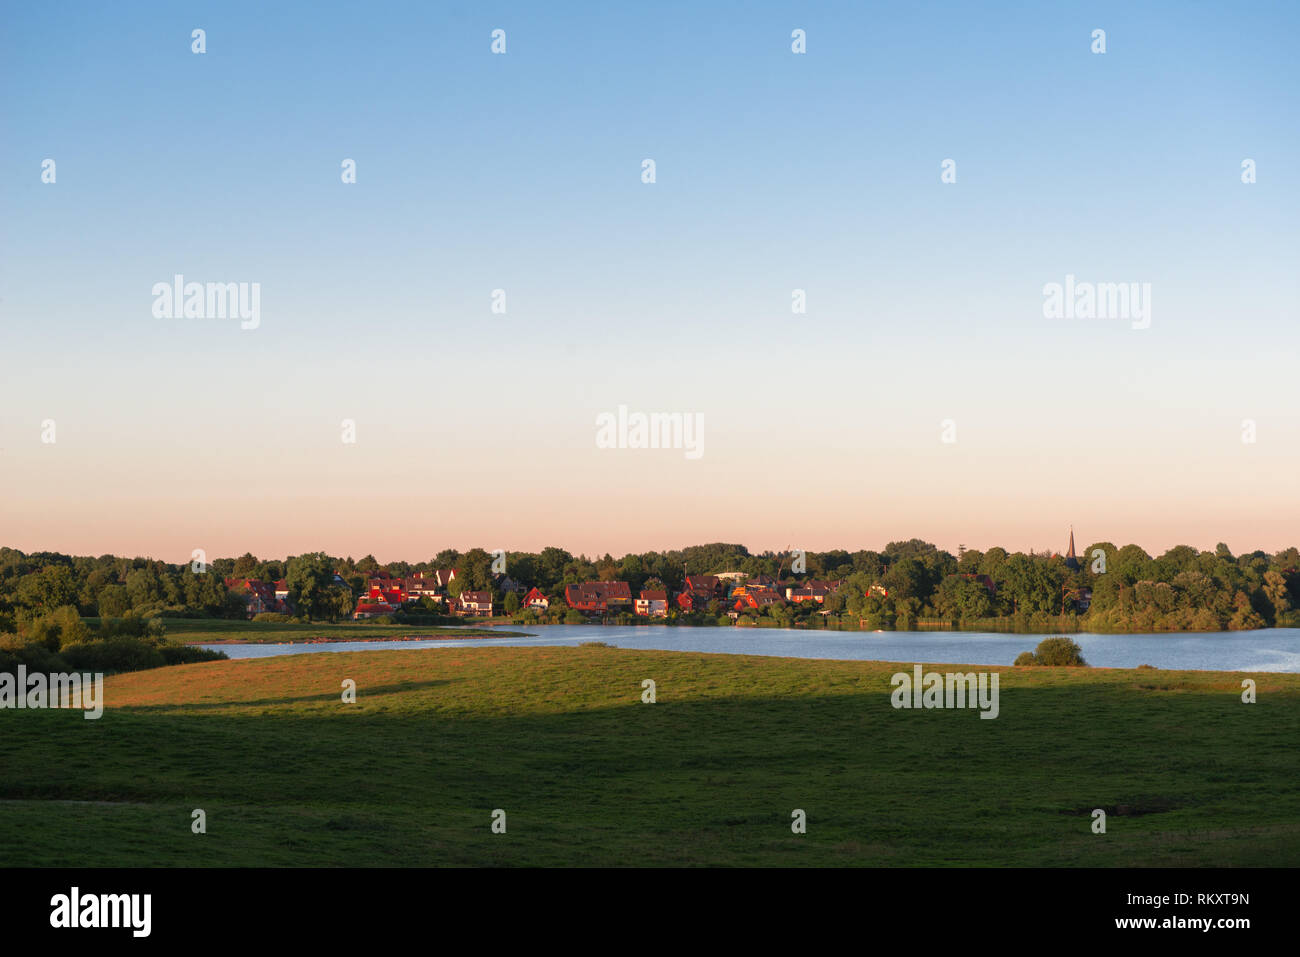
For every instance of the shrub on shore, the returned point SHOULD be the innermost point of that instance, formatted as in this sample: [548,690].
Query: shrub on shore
[1058,652]
[62,642]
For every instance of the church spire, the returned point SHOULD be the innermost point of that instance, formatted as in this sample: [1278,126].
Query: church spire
[1071,562]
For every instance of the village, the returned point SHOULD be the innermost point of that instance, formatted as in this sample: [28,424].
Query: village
[386,594]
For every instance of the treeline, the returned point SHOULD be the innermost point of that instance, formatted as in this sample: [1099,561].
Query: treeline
[904,584]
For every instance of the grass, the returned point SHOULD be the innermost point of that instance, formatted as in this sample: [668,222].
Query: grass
[588,775]
[214,630]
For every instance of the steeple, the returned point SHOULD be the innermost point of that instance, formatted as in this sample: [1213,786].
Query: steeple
[1071,562]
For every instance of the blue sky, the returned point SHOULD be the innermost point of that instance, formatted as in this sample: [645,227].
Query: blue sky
[774,171]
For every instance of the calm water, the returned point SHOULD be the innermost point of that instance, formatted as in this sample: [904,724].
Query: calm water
[1273,649]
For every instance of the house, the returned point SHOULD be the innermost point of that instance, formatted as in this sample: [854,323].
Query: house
[652,603]
[690,601]
[1082,599]
[813,591]
[536,600]
[598,596]
[386,588]
[477,603]
[417,587]
[443,576]
[282,590]
[755,597]
[259,596]
[369,609]
[699,590]
[709,585]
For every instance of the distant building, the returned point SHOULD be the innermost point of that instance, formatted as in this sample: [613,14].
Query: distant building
[475,603]
[811,591]
[653,603]
[1071,562]
[385,588]
[755,597]
[417,587]
[369,609]
[258,596]
[598,596]
[536,600]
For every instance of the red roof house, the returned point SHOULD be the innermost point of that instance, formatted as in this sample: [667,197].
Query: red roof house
[598,596]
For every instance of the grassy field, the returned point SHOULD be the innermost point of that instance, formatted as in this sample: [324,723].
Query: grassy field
[587,774]
[212,630]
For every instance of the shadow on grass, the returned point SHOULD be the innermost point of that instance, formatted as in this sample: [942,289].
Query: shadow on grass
[333,697]
[702,781]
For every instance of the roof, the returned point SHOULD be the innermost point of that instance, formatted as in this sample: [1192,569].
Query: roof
[702,582]
[654,595]
[476,597]
[598,591]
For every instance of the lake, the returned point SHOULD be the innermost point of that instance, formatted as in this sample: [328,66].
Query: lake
[1271,649]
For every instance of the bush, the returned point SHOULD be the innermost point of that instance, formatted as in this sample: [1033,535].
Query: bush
[1057,652]
[178,654]
[131,625]
[1145,667]
[272,616]
[36,657]
[114,654]
[63,626]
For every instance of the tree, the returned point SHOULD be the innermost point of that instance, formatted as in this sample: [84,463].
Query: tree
[309,579]
[113,601]
[512,603]
[475,570]
[143,587]
[52,587]
[1276,592]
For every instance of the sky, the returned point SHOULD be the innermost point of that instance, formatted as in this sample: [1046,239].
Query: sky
[923,393]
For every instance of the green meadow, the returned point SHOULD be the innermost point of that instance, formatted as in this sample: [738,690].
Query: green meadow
[288,775]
